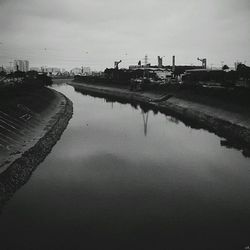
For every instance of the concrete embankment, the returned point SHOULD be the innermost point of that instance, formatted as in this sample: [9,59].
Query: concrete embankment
[233,126]
[45,130]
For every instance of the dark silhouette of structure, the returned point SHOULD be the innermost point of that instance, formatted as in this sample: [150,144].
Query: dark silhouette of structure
[203,61]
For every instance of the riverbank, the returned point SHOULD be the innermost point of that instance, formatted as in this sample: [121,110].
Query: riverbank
[31,131]
[229,121]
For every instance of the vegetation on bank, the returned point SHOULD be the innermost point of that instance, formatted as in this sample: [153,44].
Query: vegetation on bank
[36,100]
[186,75]
[25,89]
[24,93]
[31,79]
[222,88]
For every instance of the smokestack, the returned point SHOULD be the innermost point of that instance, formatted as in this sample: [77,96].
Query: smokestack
[159,62]
[173,63]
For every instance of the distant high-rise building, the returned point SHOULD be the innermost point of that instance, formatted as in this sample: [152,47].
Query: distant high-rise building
[86,70]
[76,71]
[146,61]
[21,65]
[53,70]
[8,69]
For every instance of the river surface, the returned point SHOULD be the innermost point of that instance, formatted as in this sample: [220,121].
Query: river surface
[122,178]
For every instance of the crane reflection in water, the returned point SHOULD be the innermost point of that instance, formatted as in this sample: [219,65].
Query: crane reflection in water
[145,121]
[145,109]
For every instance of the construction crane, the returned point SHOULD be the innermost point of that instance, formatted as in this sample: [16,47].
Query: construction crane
[204,62]
[116,64]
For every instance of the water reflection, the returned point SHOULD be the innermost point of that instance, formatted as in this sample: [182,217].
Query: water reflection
[106,185]
[145,121]
[145,108]
[172,119]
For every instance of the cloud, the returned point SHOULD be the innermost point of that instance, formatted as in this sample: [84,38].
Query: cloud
[3,2]
[217,29]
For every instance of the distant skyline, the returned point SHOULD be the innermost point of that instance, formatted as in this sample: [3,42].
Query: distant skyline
[95,33]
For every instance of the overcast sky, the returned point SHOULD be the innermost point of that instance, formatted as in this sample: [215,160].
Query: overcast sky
[96,32]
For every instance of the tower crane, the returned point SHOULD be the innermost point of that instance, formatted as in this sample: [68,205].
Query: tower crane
[116,64]
[204,62]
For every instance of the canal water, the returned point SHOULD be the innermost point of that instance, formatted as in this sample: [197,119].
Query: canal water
[123,178]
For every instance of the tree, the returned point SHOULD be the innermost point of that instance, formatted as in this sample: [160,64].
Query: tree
[19,75]
[2,73]
[225,67]
[243,71]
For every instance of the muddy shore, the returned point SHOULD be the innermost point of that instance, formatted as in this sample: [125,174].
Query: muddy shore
[234,127]
[19,171]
